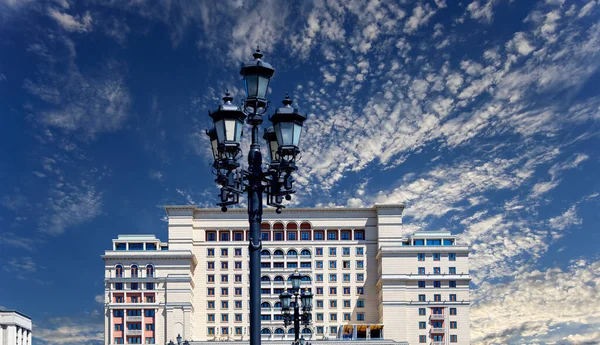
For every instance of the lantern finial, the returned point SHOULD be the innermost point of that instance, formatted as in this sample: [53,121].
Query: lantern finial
[287,101]
[227,99]
[257,55]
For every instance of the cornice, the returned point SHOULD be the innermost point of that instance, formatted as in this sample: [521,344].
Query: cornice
[143,254]
[269,210]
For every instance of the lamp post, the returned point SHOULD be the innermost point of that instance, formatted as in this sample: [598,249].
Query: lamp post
[276,180]
[306,300]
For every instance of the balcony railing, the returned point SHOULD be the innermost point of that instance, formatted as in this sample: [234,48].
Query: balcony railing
[134,318]
[438,330]
[438,343]
[134,332]
[437,316]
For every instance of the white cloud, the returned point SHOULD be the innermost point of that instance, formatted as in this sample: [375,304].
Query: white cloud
[587,9]
[479,12]
[420,17]
[66,330]
[99,299]
[520,44]
[155,175]
[71,23]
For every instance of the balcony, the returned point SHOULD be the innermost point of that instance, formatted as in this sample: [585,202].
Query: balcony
[134,332]
[438,343]
[134,318]
[438,330]
[437,317]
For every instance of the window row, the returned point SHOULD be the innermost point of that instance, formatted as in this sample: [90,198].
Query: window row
[293,253]
[437,270]
[334,317]
[437,338]
[134,286]
[437,324]
[133,299]
[133,312]
[134,271]
[433,242]
[135,246]
[438,298]
[334,303]
[436,284]
[436,311]
[436,256]
[316,235]
[319,264]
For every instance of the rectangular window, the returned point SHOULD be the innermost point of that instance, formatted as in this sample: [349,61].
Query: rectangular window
[319,251]
[332,303]
[360,277]
[224,278]
[319,236]
[238,265]
[224,305]
[332,264]
[360,251]
[319,303]
[452,283]
[332,291]
[319,277]
[210,265]
[210,305]
[421,270]
[437,270]
[149,286]
[332,277]
[319,291]
[452,256]
[210,278]
[360,264]
[265,264]
[238,236]
[359,235]
[224,330]
[345,235]
[346,264]
[134,286]
[224,317]
[238,291]
[319,316]
[118,327]
[332,235]
[305,265]
[150,299]
[210,317]
[346,277]
[360,290]
[434,242]
[238,330]
[448,242]
[238,304]
[320,330]
[346,290]
[333,329]
[292,265]
[332,252]
[451,270]
[347,317]
[238,278]
[346,251]
[224,251]
[360,303]
[118,286]
[422,324]
[224,291]
[452,324]
[452,311]
[452,297]
[421,298]
[211,237]
[279,291]
[150,246]
[453,338]
[360,316]
[421,283]
[419,242]
[437,298]
[422,311]
[422,339]
[210,291]
[210,252]
[291,236]
[332,316]
[278,265]
[136,246]
[264,236]
[436,256]
[265,291]
[278,236]
[150,340]
[305,236]
[224,236]
[210,331]
[421,256]
[346,303]
[437,284]
[118,313]
[238,251]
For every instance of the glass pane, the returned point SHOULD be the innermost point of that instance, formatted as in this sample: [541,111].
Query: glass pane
[220,127]
[277,129]
[297,131]
[230,130]
[251,85]
[273,145]
[214,145]
[287,133]
[238,130]
[263,83]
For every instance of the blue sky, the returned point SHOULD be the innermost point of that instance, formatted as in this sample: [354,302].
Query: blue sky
[481,116]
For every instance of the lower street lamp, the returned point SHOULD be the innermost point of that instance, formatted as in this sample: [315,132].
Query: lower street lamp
[297,317]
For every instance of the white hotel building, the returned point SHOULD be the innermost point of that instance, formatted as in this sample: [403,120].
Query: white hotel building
[15,328]
[370,282]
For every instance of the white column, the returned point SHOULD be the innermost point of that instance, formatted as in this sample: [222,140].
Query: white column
[29,338]
[143,338]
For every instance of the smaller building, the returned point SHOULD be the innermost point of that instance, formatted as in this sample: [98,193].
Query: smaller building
[15,328]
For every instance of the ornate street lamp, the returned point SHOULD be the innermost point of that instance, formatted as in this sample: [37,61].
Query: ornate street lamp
[297,317]
[178,339]
[276,181]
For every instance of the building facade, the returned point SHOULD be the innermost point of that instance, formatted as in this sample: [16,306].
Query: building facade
[371,279]
[15,328]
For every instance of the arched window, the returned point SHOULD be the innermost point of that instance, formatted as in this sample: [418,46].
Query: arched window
[278,279]
[306,331]
[277,305]
[305,252]
[279,331]
[265,305]
[265,331]
[306,278]
[149,271]
[134,271]
[292,252]
[265,279]
[278,252]
[291,331]
[118,271]
[265,252]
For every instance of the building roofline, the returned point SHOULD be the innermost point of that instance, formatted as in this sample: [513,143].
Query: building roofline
[14,311]
[291,209]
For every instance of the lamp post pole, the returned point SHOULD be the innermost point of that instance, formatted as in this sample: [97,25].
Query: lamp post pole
[276,181]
